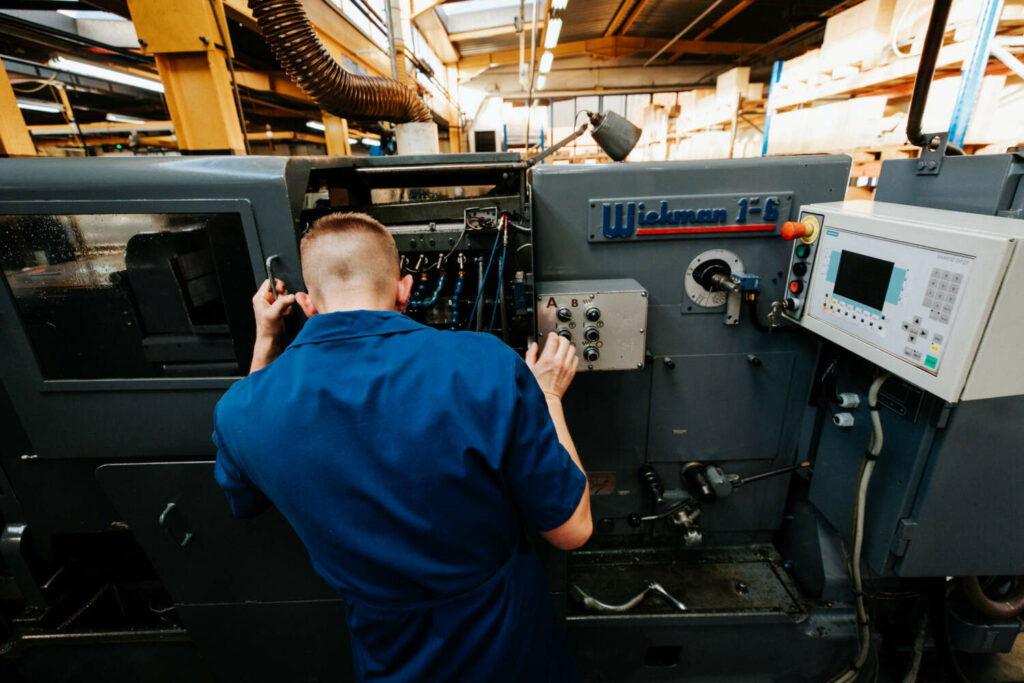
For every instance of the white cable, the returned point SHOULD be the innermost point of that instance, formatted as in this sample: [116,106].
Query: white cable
[874,448]
[915,662]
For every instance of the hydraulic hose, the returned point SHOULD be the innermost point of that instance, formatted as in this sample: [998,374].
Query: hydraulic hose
[1007,607]
[300,53]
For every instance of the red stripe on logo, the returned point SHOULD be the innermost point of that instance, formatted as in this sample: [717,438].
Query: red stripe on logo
[717,228]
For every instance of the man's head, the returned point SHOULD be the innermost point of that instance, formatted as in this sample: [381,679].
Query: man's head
[350,262]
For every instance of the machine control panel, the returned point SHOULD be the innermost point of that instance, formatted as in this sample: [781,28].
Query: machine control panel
[909,288]
[805,232]
[906,309]
[606,320]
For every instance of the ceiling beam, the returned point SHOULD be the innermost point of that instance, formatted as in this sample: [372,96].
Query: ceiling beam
[715,25]
[620,16]
[640,6]
[489,32]
[420,7]
[610,47]
[263,81]
[779,40]
[433,30]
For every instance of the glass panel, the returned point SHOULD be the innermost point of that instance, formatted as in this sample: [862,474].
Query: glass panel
[131,295]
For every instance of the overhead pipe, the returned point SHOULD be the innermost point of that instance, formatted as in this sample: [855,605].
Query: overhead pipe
[300,53]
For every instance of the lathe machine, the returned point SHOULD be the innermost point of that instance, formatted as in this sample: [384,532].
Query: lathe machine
[799,416]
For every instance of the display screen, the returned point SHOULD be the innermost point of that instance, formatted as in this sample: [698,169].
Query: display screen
[863,279]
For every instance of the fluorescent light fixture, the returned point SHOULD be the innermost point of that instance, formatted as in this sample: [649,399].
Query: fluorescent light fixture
[117,118]
[542,80]
[353,141]
[545,61]
[557,5]
[551,37]
[84,69]
[370,142]
[40,105]
[316,125]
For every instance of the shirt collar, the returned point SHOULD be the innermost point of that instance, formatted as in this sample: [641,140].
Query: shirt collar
[353,324]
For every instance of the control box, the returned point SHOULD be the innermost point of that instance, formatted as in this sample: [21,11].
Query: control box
[924,293]
[606,320]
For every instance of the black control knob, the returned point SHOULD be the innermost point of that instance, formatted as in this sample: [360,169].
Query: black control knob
[799,269]
[565,332]
[591,333]
[564,314]
[593,314]
[590,354]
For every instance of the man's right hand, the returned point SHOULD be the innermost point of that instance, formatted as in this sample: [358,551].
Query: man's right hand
[270,314]
[555,367]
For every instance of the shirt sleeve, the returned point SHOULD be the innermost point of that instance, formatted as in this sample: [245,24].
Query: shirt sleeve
[544,481]
[245,499]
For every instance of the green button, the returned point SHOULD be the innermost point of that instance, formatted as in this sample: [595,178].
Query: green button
[802,250]
[931,361]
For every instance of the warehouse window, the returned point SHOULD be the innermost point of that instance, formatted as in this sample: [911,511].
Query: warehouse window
[131,295]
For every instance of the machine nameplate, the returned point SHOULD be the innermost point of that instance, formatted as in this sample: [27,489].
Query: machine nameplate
[675,216]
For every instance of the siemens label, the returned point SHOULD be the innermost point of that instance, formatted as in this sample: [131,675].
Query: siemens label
[617,219]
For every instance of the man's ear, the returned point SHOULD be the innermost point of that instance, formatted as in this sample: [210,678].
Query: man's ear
[404,292]
[306,304]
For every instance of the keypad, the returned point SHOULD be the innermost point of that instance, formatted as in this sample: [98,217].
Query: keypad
[943,288]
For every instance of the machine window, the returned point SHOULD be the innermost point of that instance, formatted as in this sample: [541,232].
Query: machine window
[108,296]
[863,279]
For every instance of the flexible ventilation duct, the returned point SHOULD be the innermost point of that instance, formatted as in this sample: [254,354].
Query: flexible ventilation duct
[300,53]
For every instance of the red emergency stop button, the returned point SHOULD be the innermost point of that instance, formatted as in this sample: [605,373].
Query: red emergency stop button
[796,286]
[793,229]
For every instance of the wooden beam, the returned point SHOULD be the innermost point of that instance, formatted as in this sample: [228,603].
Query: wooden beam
[724,19]
[490,32]
[102,128]
[717,24]
[433,30]
[640,6]
[775,42]
[263,81]
[609,48]
[620,16]
[15,140]
[420,7]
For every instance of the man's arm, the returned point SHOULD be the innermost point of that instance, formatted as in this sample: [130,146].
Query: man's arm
[554,370]
[270,314]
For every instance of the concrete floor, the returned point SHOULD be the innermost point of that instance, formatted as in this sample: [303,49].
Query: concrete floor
[996,668]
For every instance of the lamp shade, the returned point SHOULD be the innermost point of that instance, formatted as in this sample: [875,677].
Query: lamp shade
[614,134]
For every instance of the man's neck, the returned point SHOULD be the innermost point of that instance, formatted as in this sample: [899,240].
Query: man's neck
[357,303]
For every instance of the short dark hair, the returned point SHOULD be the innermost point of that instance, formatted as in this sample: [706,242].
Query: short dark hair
[359,248]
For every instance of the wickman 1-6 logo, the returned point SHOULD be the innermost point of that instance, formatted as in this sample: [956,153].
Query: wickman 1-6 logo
[626,218]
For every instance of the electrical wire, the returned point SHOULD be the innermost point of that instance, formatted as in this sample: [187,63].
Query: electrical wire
[480,287]
[501,271]
[234,82]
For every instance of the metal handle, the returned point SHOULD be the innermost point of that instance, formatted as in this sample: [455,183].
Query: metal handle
[174,525]
[270,275]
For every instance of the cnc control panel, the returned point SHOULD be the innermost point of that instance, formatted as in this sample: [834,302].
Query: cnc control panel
[909,288]
[606,320]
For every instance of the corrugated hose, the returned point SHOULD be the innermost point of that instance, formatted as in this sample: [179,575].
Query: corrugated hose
[300,53]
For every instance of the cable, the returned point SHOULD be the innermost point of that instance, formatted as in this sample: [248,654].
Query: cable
[234,83]
[915,662]
[480,288]
[852,672]
[501,272]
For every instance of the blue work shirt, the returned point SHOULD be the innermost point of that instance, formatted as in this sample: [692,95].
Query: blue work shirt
[409,461]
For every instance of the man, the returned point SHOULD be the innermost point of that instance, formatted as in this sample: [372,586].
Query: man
[410,461]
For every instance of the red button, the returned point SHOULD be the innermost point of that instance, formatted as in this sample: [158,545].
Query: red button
[792,229]
[796,286]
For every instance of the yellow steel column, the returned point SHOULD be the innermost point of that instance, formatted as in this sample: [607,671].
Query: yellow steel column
[185,38]
[336,134]
[15,140]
